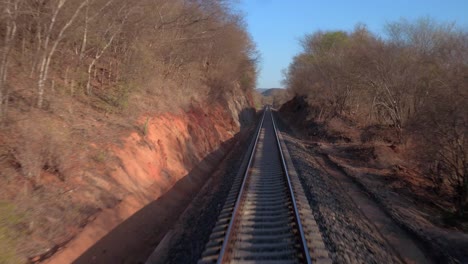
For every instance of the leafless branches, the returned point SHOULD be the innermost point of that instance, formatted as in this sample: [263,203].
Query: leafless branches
[100,46]
[413,81]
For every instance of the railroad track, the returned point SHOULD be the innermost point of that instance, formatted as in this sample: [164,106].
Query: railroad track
[266,217]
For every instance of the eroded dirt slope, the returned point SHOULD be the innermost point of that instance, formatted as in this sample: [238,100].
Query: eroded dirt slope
[146,166]
[117,170]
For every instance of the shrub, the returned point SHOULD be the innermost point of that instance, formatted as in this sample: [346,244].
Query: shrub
[43,144]
[413,81]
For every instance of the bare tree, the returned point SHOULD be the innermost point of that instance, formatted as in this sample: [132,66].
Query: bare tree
[8,18]
[113,30]
[414,82]
[50,43]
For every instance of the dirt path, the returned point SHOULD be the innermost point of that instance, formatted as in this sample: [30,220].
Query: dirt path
[403,243]
[355,227]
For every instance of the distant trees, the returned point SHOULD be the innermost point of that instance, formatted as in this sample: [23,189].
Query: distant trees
[275,97]
[112,49]
[414,81]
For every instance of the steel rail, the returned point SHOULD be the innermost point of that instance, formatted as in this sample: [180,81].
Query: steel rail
[222,253]
[261,220]
[293,199]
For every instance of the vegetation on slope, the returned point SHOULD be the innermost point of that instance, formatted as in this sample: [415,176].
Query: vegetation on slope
[412,82]
[78,75]
[108,51]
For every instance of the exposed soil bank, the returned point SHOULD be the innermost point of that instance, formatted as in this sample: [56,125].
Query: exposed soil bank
[146,165]
[186,240]
[133,240]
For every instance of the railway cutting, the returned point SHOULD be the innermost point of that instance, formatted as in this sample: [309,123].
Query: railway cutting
[266,217]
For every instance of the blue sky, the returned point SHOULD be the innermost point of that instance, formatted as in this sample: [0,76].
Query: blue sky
[277,25]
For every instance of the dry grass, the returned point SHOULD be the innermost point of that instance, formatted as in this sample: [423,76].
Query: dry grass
[10,222]
[47,168]
[43,145]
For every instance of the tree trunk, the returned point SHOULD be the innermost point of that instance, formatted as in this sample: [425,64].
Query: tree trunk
[88,83]
[40,92]
[49,53]
[95,59]
[10,34]
[85,34]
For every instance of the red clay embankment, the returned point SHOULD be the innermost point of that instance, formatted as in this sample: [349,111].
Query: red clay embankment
[147,164]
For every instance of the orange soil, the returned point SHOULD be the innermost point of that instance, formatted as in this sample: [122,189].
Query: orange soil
[150,165]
